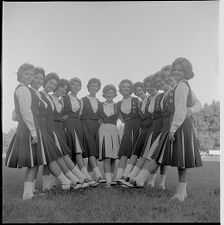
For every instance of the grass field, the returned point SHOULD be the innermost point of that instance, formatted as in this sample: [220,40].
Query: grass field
[116,204]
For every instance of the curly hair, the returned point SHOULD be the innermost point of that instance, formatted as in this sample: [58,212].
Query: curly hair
[126,81]
[138,84]
[50,76]
[22,69]
[75,79]
[61,83]
[94,80]
[109,87]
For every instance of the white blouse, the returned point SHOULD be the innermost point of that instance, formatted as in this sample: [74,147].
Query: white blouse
[57,103]
[196,107]
[152,103]
[108,108]
[94,103]
[126,105]
[144,102]
[50,100]
[75,103]
[24,97]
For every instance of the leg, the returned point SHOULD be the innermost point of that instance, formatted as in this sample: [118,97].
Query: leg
[163,172]
[140,163]
[107,170]
[82,165]
[121,166]
[132,161]
[94,165]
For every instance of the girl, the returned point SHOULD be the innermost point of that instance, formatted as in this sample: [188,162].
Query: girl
[90,121]
[108,132]
[178,146]
[73,128]
[129,113]
[139,91]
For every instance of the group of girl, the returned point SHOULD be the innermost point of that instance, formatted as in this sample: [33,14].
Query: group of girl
[58,130]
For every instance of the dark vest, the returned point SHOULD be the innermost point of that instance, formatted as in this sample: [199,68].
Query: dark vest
[134,114]
[146,114]
[157,113]
[111,119]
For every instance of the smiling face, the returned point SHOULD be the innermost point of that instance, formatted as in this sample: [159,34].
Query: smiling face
[50,85]
[109,95]
[27,76]
[75,87]
[125,89]
[93,88]
[150,89]
[170,81]
[178,73]
[140,93]
[37,81]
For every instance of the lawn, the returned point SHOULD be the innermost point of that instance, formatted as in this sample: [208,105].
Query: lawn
[117,204]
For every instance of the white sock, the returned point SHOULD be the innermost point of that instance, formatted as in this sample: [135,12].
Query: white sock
[111,175]
[85,172]
[108,177]
[72,177]
[134,172]
[128,169]
[119,173]
[182,188]
[97,172]
[78,173]
[46,179]
[28,188]
[163,179]
[152,179]
[142,176]
[64,180]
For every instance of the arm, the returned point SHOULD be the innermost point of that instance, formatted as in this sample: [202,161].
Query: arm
[196,107]
[24,98]
[180,100]
[81,107]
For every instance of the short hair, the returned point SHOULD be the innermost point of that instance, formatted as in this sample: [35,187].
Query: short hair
[75,79]
[39,70]
[186,66]
[109,87]
[156,76]
[50,76]
[94,80]
[125,81]
[138,84]
[165,68]
[148,79]
[61,83]
[22,69]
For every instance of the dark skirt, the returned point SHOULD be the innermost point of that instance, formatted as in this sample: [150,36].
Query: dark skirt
[56,131]
[74,136]
[152,139]
[183,152]
[22,153]
[91,138]
[129,138]
[138,147]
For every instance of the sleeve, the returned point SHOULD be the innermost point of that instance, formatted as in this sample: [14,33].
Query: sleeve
[24,98]
[81,107]
[180,103]
[196,105]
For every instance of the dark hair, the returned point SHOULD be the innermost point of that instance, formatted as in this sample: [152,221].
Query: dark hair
[148,79]
[39,70]
[75,79]
[94,80]
[22,69]
[138,84]
[156,76]
[50,76]
[125,81]
[186,66]
[109,87]
[61,83]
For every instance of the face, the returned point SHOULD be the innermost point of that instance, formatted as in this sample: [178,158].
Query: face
[93,88]
[170,81]
[75,87]
[50,85]
[139,92]
[167,72]
[178,73]
[109,95]
[150,89]
[125,89]
[163,86]
[27,77]
[62,90]
[37,81]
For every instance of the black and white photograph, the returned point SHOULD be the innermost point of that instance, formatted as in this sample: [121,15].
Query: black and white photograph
[111,112]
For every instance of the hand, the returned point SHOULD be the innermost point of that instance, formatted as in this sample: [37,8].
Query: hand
[171,136]
[64,117]
[34,140]
[189,113]
[100,121]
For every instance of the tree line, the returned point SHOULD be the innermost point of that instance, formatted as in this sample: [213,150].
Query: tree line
[206,124]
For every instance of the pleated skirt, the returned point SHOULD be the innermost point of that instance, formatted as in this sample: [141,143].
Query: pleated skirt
[22,153]
[129,138]
[109,141]
[74,135]
[153,138]
[138,147]
[91,138]
[183,152]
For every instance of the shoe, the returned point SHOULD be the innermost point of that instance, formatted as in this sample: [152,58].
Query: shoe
[27,197]
[162,186]
[126,178]
[179,197]
[71,187]
[123,182]
[93,183]
[108,185]
[137,184]
[100,180]
[85,185]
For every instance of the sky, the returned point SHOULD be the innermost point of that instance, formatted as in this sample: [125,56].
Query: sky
[111,41]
